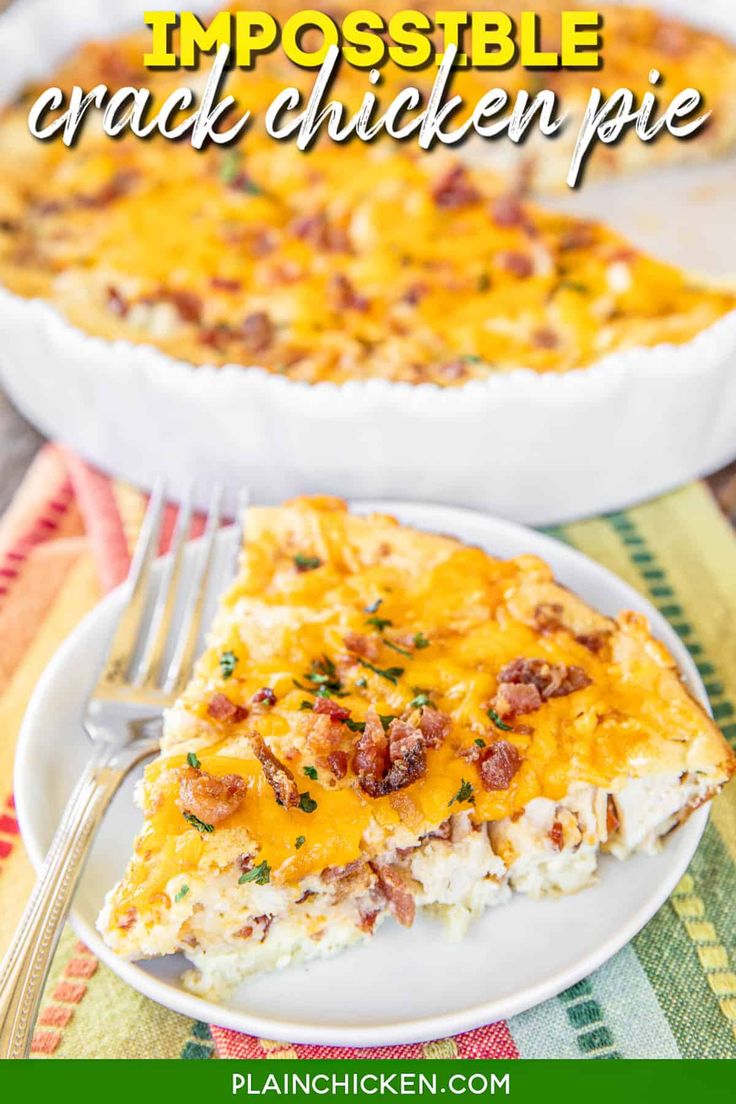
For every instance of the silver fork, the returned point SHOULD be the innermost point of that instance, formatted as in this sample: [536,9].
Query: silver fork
[123,719]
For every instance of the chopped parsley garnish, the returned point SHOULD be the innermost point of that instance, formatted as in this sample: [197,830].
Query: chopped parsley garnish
[359,726]
[396,648]
[228,663]
[306,803]
[306,563]
[465,793]
[480,742]
[379,623]
[306,705]
[230,167]
[324,675]
[260,874]
[300,841]
[249,186]
[311,772]
[195,822]
[233,175]
[420,640]
[573,285]
[392,674]
[373,606]
[193,761]
[361,682]
[422,698]
[327,692]
[498,722]
[182,893]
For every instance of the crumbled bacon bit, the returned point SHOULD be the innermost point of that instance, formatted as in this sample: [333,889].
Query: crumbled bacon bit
[435,726]
[116,303]
[338,873]
[612,819]
[595,642]
[216,336]
[187,304]
[498,765]
[513,699]
[367,920]
[455,189]
[220,708]
[128,919]
[305,896]
[579,235]
[545,338]
[548,617]
[384,762]
[623,253]
[414,294]
[344,295]
[518,264]
[257,332]
[403,740]
[397,893]
[264,695]
[366,647]
[208,797]
[278,777]
[319,232]
[556,836]
[244,933]
[261,242]
[338,763]
[243,182]
[331,708]
[550,680]
[407,761]
[508,210]
[266,920]
[225,283]
[370,758]
[245,862]
[114,189]
[443,831]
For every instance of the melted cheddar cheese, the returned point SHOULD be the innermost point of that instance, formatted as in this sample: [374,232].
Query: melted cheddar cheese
[440,621]
[351,261]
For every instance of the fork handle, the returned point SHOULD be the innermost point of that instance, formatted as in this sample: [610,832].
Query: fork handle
[26,965]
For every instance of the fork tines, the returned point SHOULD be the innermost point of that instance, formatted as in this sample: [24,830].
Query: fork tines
[163,614]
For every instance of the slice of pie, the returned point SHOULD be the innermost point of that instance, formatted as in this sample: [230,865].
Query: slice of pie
[388,720]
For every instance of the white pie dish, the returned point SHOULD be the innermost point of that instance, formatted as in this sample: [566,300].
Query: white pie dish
[534,448]
[353,999]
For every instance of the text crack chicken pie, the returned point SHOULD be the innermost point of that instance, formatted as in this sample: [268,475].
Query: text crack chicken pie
[387,720]
[353,261]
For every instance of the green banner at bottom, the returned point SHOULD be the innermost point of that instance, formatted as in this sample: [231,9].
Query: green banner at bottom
[368,1080]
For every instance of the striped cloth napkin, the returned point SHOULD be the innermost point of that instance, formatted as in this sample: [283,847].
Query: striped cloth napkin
[670,993]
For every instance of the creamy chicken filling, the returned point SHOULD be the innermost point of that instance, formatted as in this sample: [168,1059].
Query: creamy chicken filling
[455,872]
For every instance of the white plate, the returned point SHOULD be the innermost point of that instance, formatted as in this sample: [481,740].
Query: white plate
[403,986]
